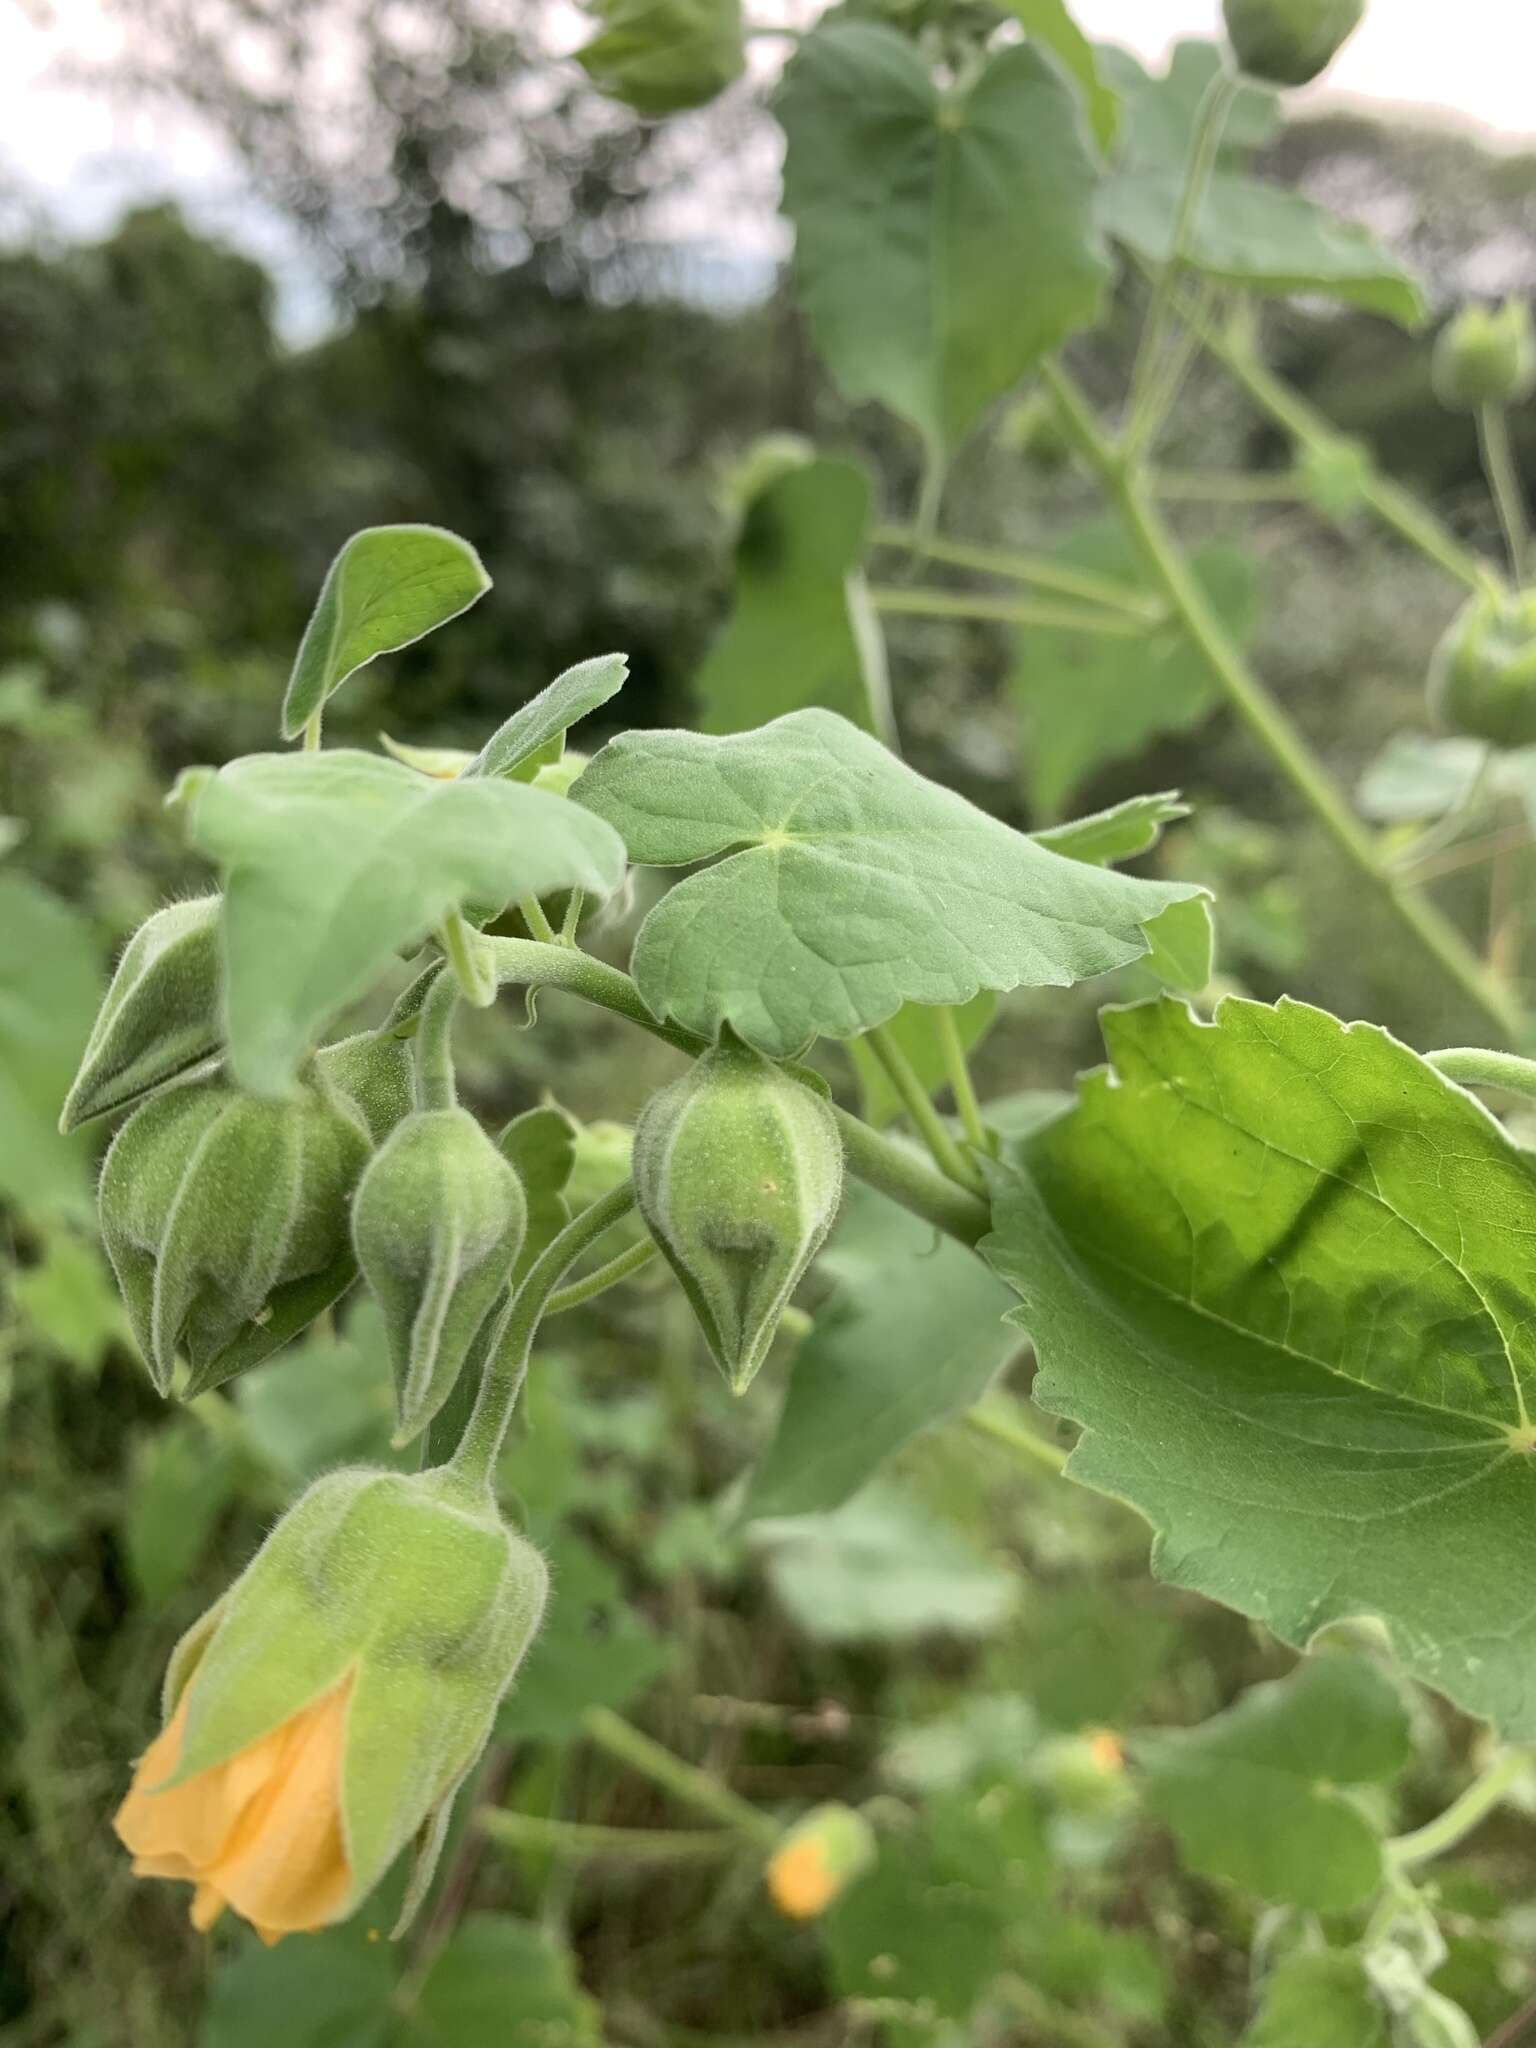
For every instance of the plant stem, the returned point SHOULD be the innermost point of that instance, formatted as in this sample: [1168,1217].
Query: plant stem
[512,1340]
[312,730]
[1145,412]
[468,959]
[685,1781]
[1504,483]
[1007,611]
[877,1160]
[1462,1815]
[1394,506]
[1474,1067]
[1224,487]
[1001,1418]
[575,903]
[927,1122]
[960,1080]
[538,924]
[1040,570]
[436,1087]
[617,1269]
[1268,723]
[584,1838]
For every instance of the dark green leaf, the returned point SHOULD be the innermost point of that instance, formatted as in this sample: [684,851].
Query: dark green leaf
[594,1650]
[858,885]
[1047,22]
[389,585]
[69,1303]
[330,1990]
[1318,1999]
[499,1983]
[663,56]
[945,240]
[544,721]
[179,1481]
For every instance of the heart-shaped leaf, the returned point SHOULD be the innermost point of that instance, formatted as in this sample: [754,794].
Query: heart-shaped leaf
[945,240]
[857,885]
[1279,1270]
[333,861]
[390,585]
[1048,23]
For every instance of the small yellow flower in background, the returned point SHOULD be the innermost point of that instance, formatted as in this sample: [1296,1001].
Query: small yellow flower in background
[817,1859]
[1106,1750]
[327,1709]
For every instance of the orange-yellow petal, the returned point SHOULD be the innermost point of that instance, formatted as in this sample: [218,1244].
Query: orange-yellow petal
[799,1881]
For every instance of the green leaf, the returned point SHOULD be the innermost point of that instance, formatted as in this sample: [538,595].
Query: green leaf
[882,1567]
[544,720]
[801,631]
[390,585]
[328,1990]
[179,1481]
[1049,23]
[1181,946]
[1279,1271]
[500,1981]
[1088,699]
[1318,1999]
[663,56]
[323,1402]
[334,861]
[1416,778]
[540,1146]
[69,1303]
[1254,1795]
[50,985]
[917,1031]
[594,1650]
[1158,113]
[1123,832]
[857,885]
[945,240]
[913,1334]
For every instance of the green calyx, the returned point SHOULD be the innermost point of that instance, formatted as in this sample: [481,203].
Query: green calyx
[738,1171]
[1486,356]
[1289,42]
[437,1224]
[160,1015]
[663,56]
[225,1218]
[375,1072]
[407,1585]
[1482,680]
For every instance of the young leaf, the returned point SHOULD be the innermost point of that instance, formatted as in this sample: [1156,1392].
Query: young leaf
[390,585]
[796,635]
[541,1148]
[857,885]
[1181,946]
[545,719]
[945,240]
[1048,22]
[1279,1270]
[913,1334]
[336,860]
[1123,832]
[1318,1999]
[1255,1796]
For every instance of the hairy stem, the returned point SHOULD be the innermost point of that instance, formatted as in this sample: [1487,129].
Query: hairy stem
[436,1087]
[539,926]
[1474,1066]
[1041,571]
[468,959]
[685,1781]
[926,1121]
[961,1085]
[1267,723]
[1008,611]
[617,1269]
[1462,1815]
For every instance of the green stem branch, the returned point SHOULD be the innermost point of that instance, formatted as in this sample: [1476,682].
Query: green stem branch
[926,1121]
[436,1087]
[539,926]
[617,1269]
[1041,571]
[585,1839]
[1476,1067]
[961,1086]
[1504,483]
[1000,1419]
[684,1781]
[1007,611]
[1485,1792]
[1267,723]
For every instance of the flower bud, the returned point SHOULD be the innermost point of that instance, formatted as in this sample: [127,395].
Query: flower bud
[1486,356]
[1084,1773]
[160,1014]
[1289,42]
[817,1859]
[1482,679]
[325,1711]
[437,1223]
[374,1071]
[225,1218]
[738,1171]
[662,56]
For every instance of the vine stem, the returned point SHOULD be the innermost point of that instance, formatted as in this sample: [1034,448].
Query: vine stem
[1504,483]
[620,1268]
[875,1159]
[961,1085]
[538,924]
[1266,721]
[1007,611]
[1000,1418]
[507,1357]
[1476,1066]
[1463,1814]
[927,1122]
[1040,570]
[585,1838]
[685,1781]
[436,1087]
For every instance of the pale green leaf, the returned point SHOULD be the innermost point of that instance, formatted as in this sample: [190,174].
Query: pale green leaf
[1123,832]
[50,985]
[1416,778]
[1259,1795]
[334,861]
[323,1402]
[1088,698]
[68,1301]
[913,1334]
[179,1480]
[389,585]
[1318,1999]
[945,239]
[857,885]
[594,1650]
[1047,22]
[542,723]
[918,1034]
[1279,1271]
[541,1148]
[1181,946]
[1158,112]
[498,1982]
[796,634]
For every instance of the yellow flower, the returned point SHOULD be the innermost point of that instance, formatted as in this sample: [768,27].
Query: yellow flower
[260,1832]
[817,1859]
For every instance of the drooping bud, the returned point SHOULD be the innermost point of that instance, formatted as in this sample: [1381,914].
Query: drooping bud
[1482,679]
[1486,356]
[738,1171]
[374,1071]
[225,1218]
[817,1859]
[325,1711]
[160,1015]
[437,1223]
[1289,42]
